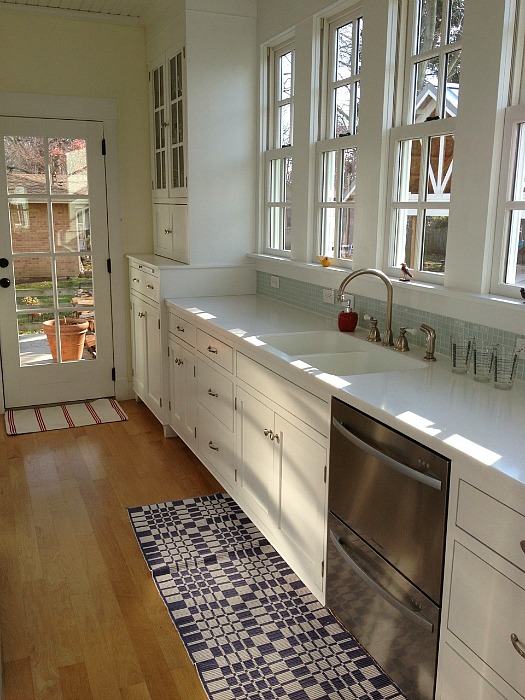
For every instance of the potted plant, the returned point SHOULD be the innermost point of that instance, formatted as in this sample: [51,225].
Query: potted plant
[72,334]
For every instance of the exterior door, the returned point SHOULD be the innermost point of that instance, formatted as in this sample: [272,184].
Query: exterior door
[55,296]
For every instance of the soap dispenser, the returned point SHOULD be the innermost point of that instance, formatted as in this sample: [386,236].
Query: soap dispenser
[347,319]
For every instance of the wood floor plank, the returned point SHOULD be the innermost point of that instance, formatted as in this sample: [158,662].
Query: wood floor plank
[80,615]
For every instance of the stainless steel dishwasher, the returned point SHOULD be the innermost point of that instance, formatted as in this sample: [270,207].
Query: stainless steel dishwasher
[386,537]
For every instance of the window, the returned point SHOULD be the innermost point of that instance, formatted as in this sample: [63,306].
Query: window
[279,151]
[423,149]
[337,153]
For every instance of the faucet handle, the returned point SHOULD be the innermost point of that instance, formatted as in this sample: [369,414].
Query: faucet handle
[374,336]
[430,334]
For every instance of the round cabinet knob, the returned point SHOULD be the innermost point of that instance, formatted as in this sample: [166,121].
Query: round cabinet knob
[4,282]
[4,262]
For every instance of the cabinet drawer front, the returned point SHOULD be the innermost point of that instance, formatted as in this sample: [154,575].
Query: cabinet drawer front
[180,328]
[144,280]
[215,392]
[215,350]
[216,445]
[491,522]
[300,403]
[486,607]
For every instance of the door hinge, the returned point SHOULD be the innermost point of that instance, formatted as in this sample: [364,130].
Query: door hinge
[158,323]
[108,263]
[160,402]
[194,372]
[325,473]
[235,475]
[195,432]
[184,52]
[168,350]
[132,372]
[169,405]
[104,152]
[322,569]
[113,374]
[235,404]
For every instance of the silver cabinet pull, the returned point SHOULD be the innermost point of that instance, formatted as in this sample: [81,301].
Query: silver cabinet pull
[180,329]
[136,279]
[392,463]
[150,286]
[141,314]
[267,432]
[275,437]
[212,349]
[212,446]
[212,393]
[520,648]
[341,547]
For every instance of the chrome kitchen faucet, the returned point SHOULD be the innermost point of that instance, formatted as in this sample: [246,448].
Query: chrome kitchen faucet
[387,335]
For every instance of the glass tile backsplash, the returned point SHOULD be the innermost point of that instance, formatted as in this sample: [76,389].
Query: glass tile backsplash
[309,296]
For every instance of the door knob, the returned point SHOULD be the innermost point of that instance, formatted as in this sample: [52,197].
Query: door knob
[4,262]
[4,282]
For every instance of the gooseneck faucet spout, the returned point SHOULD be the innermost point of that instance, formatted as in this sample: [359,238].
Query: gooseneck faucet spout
[387,335]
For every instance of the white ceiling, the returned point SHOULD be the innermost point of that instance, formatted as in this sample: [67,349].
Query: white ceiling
[125,10]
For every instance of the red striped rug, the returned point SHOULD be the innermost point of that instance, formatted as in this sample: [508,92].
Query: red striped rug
[69,415]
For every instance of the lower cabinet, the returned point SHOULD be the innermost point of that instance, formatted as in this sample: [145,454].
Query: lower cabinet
[281,479]
[146,353]
[216,447]
[183,392]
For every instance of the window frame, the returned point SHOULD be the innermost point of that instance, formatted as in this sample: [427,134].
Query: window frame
[330,141]
[276,208]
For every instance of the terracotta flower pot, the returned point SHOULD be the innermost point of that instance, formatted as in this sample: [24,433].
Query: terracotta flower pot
[72,335]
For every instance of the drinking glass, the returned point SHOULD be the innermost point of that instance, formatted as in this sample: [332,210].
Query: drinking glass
[505,365]
[483,362]
[461,347]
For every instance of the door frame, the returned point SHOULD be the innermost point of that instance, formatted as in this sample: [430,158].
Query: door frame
[104,111]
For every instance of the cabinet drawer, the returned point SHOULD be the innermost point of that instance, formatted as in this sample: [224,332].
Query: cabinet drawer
[180,328]
[144,280]
[215,350]
[300,403]
[486,607]
[215,392]
[216,446]
[491,522]
[459,680]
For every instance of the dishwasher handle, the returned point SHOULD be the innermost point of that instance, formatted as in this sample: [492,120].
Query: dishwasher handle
[341,547]
[389,461]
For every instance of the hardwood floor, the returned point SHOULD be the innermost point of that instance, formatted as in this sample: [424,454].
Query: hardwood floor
[80,616]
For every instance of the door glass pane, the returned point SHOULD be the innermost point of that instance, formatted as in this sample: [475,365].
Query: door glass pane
[68,166]
[33,345]
[29,226]
[33,283]
[71,226]
[25,165]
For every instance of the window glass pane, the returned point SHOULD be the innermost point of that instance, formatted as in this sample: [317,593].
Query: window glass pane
[519,177]
[280,180]
[408,223]
[409,170]
[349,156]
[275,225]
[441,158]
[285,76]
[359,44]
[343,110]
[287,244]
[287,162]
[426,90]
[344,47]
[68,166]
[435,241]
[453,69]
[328,221]
[455,25]
[25,165]
[346,237]
[329,177]
[285,126]
[357,103]
[515,273]
[429,30]
[33,283]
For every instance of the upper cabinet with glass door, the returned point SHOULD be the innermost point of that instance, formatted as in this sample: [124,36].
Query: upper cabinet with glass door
[168,119]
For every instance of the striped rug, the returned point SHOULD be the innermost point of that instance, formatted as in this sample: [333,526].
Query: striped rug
[71,415]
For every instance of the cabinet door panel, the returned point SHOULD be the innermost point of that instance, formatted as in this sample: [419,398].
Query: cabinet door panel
[138,347]
[183,393]
[300,518]
[255,455]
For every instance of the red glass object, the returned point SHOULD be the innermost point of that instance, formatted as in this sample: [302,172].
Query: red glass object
[347,321]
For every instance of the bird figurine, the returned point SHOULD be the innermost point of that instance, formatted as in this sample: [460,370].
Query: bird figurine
[325,262]
[407,275]
[522,292]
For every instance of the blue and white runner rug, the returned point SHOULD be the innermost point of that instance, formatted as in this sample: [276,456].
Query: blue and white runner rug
[251,627]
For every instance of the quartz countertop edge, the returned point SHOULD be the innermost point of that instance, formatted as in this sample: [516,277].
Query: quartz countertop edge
[465,420]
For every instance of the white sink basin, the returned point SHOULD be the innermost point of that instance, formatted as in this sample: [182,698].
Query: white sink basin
[313,342]
[340,354]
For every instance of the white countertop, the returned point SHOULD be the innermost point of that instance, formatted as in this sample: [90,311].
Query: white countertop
[465,420]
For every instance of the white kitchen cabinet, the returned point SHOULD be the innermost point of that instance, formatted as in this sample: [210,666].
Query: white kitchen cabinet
[281,466]
[146,338]
[203,77]
[484,600]
[171,231]
[183,392]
